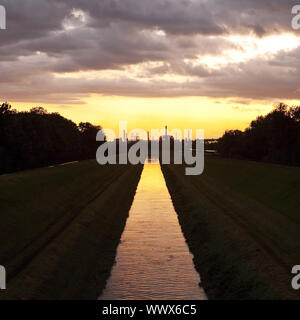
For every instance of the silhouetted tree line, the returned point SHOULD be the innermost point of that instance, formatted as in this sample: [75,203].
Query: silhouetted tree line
[272,138]
[38,138]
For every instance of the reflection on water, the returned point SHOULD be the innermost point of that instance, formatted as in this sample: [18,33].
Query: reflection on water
[153,260]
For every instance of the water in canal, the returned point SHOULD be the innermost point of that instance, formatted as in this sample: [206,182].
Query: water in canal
[153,260]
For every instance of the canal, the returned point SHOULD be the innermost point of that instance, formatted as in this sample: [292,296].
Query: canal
[153,260]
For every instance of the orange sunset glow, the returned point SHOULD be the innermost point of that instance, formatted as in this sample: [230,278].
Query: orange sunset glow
[179,74]
[213,116]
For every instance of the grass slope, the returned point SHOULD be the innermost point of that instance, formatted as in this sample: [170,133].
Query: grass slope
[241,220]
[60,228]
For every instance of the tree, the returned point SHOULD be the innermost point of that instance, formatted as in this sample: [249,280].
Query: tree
[274,137]
[88,136]
[6,109]
[38,110]
[38,138]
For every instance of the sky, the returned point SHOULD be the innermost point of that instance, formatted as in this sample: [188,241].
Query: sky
[206,64]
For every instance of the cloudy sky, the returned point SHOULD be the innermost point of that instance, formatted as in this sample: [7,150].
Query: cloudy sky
[212,64]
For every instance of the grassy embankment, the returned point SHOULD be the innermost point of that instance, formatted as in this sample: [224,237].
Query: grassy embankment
[60,228]
[241,220]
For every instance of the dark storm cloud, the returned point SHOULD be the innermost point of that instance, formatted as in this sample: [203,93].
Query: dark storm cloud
[36,19]
[32,19]
[46,36]
[211,17]
[258,79]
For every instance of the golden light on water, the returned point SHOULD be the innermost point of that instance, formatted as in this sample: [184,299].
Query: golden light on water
[153,244]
